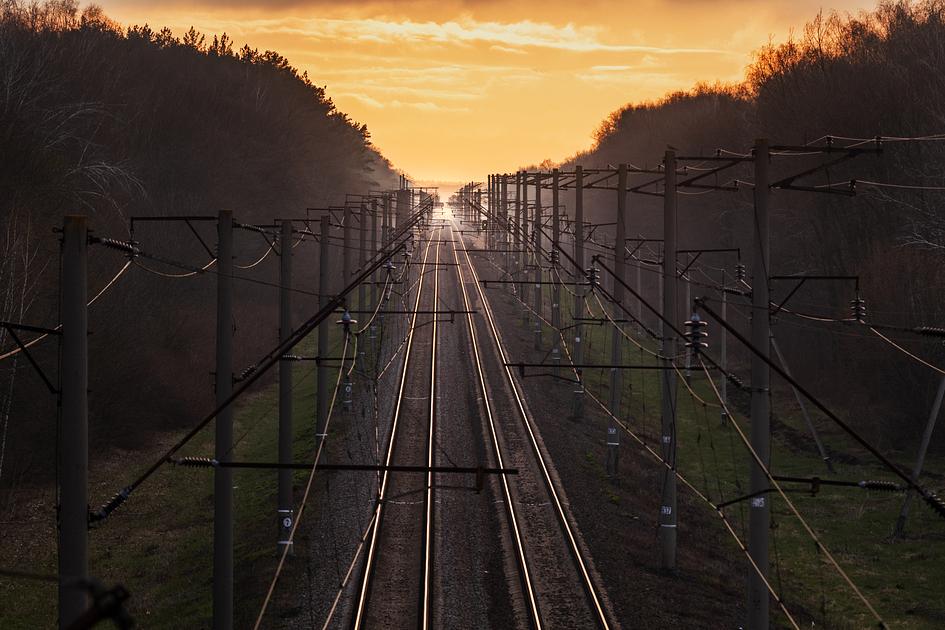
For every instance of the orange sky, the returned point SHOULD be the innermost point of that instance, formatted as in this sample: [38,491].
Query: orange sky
[454,89]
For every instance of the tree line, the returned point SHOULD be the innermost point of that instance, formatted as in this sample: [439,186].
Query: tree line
[117,122]
[875,73]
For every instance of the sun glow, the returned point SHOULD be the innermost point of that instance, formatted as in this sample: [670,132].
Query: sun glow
[455,89]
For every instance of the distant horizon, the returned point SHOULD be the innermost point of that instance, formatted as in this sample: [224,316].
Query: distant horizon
[441,85]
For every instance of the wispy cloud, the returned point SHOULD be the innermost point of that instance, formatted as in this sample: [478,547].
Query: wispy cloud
[511,36]
[507,49]
[395,89]
[429,106]
[361,98]
[426,106]
[442,83]
[661,80]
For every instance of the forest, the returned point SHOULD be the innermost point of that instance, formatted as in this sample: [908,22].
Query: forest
[123,122]
[849,78]
[119,123]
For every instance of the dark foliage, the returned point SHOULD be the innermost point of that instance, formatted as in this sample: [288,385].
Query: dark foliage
[878,73]
[113,124]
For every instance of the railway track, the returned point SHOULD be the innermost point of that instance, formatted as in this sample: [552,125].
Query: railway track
[546,570]
[395,582]
[538,537]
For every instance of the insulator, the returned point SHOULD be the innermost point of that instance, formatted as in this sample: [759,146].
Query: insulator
[931,331]
[737,382]
[593,276]
[115,244]
[740,271]
[858,308]
[346,319]
[695,333]
[196,462]
[113,504]
[246,373]
[935,502]
[888,486]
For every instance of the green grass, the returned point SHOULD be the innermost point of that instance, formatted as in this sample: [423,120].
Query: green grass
[159,544]
[902,580]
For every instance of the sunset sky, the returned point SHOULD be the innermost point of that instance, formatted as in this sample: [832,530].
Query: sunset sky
[454,89]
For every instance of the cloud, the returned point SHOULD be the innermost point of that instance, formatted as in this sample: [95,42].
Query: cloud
[510,36]
[361,98]
[663,81]
[610,68]
[427,106]
[395,89]
[507,49]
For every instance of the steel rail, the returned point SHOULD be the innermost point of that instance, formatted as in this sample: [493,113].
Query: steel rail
[578,556]
[511,513]
[363,592]
[426,578]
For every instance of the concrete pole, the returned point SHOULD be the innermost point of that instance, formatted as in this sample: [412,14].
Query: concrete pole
[516,233]
[480,216]
[377,274]
[284,508]
[490,233]
[497,210]
[688,309]
[920,460]
[403,208]
[74,433]
[347,226]
[494,212]
[616,339]
[668,516]
[385,230]
[362,254]
[555,288]
[536,230]
[483,216]
[504,205]
[660,326]
[362,263]
[526,239]
[578,411]
[223,477]
[324,296]
[723,351]
[759,521]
